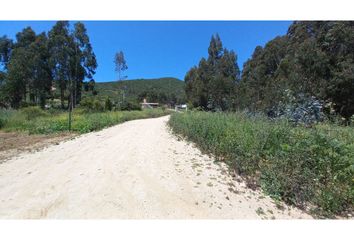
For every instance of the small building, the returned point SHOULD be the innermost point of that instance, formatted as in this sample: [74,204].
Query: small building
[145,104]
[181,107]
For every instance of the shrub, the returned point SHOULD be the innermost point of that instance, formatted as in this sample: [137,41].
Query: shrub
[130,106]
[2,122]
[92,104]
[5,115]
[33,112]
[302,166]
[98,106]
[108,105]
[87,103]
[299,109]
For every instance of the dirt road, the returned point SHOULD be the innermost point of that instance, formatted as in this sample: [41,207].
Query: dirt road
[134,170]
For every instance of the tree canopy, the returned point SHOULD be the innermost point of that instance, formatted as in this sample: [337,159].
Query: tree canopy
[211,84]
[36,63]
[313,58]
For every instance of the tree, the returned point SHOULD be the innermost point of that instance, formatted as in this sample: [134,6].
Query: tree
[26,63]
[215,50]
[85,60]
[29,65]
[42,80]
[59,48]
[120,65]
[259,88]
[72,59]
[17,77]
[314,59]
[224,81]
[211,85]
[6,46]
[19,66]
[191,86]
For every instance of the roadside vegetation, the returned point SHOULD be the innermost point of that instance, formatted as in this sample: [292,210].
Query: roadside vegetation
[34,120]
[309,167]
[285,122]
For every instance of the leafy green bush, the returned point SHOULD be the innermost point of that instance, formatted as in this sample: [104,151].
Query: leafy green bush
[86,103]
[302,166]
[33,112]
[92,104]
[2,122]
[5,115]
[108,104]
[98,106]
[130,106]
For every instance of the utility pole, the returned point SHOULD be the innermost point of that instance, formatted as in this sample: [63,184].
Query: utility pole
[70,106]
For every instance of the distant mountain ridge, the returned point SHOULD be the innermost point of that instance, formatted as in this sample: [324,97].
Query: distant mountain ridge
[162,90]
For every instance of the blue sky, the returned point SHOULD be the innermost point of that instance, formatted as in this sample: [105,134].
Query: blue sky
[162,48]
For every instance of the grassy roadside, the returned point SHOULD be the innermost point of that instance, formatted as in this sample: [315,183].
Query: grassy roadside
[311,168]
[35,121]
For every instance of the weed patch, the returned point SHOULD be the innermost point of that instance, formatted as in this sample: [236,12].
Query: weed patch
[301,166]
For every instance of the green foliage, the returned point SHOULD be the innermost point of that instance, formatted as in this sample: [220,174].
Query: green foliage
[299,165]
[5,115]
[33,112]
[256,91]
[162,90]
[34,62]
[314,58]
[92,104]
[212,84]
[6,46]
[83,121]
[28,77]
[108,105]
[2,122]
[130,106]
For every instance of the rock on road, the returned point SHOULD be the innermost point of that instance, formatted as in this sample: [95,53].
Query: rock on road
[137,169]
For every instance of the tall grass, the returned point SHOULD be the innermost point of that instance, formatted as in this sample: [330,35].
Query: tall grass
[36,121]
[302,166]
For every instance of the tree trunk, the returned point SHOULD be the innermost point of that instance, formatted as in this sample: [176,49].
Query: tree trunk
[62,97]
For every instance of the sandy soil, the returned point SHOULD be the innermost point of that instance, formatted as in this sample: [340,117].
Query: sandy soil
[13,143]
[137,169]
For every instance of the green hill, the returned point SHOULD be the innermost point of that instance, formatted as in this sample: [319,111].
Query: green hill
[162,90]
